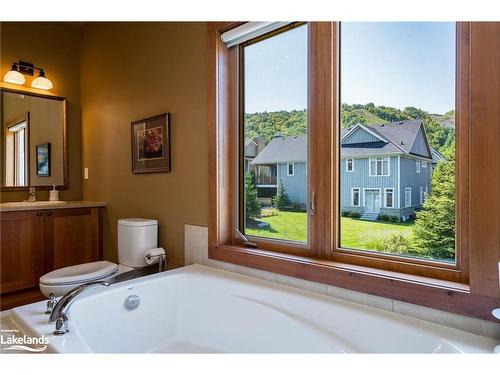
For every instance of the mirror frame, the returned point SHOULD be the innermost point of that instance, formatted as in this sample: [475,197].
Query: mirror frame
[63,100]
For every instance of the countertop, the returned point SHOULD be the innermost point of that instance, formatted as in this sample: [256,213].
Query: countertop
[47,205]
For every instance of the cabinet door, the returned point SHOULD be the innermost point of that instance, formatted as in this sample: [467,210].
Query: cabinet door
[22,250]
[72,236]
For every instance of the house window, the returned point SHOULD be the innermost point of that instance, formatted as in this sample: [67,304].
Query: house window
[408,197]
[379,166]
[355,199]
[273,90]
[349,165]
[418,166]
[389,194]
[424,164]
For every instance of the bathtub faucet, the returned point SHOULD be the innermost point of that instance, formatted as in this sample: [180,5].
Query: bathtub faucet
[59,314]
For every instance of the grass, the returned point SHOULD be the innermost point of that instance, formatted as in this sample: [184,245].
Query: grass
[355,233]
[286,225]
[358,234]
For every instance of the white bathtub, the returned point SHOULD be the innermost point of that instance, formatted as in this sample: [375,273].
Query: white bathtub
[201,309]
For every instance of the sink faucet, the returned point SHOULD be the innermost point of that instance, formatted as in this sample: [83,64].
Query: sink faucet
[32,194]
[60,312]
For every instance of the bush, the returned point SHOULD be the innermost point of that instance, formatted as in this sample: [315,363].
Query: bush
[345,213]
[388,218]
[268,212]
[394,244]
[355,215]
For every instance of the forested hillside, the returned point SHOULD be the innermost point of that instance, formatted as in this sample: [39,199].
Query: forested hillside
[440,128]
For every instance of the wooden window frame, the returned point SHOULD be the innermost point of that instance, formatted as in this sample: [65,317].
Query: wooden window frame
[469,287]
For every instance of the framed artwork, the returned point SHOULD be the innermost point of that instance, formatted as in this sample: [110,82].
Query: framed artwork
[43,160]
[151,144]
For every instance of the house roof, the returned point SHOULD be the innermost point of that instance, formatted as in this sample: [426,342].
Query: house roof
[394,138]
[283,150]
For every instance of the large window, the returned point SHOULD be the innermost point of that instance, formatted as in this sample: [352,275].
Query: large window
[397,112]
[388,240]
[273,113]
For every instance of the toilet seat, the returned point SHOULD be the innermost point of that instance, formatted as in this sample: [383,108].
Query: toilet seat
[80,273]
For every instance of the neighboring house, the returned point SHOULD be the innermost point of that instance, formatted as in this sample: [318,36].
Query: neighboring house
[252,148]
[285,159]
[385,169]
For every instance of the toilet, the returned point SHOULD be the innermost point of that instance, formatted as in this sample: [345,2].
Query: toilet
[135,236]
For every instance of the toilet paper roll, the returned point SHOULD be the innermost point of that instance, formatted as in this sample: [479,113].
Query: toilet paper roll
[153,256]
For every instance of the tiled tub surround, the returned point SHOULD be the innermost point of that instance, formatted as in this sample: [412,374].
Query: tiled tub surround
[196,251]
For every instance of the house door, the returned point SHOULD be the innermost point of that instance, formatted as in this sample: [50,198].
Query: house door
[372,201]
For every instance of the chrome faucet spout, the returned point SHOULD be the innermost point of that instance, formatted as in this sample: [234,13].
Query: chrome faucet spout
[60,310]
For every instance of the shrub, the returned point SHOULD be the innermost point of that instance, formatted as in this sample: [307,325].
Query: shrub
[281,200]
[345,213]
[394,244]
[267,212]
[388,218]
[355,215]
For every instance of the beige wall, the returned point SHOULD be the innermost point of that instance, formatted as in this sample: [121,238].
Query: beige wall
[56,48]
[130,72]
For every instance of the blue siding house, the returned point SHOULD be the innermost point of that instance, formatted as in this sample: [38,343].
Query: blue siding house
[385,169]
[283,159]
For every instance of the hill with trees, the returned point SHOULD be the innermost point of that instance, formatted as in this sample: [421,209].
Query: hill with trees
[440,127]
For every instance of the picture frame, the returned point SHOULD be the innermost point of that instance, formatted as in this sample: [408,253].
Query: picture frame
[43,160]
[150,142]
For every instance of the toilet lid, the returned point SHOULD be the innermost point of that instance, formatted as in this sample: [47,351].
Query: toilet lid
[79,273]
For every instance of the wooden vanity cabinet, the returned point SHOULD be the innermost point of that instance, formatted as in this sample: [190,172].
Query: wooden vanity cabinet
[39,241]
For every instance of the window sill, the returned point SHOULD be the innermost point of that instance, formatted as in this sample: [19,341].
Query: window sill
[439,294]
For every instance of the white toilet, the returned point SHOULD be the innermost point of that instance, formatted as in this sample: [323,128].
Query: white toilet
[135,236]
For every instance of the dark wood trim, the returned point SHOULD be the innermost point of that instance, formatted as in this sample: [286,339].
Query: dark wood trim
[65,184]
[447,296]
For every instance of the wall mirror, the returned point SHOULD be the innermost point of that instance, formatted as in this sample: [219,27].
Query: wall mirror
[33,141]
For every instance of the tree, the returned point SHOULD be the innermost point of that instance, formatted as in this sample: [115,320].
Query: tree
[280,200]
[434,230]
[252,204]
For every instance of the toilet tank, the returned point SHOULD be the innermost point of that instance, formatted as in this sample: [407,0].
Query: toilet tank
[135,236]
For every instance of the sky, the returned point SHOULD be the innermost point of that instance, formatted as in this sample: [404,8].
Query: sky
[387,63]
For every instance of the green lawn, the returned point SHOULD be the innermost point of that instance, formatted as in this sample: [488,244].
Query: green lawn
[355,233]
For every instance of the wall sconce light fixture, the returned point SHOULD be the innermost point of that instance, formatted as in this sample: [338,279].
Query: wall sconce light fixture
[15,75]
